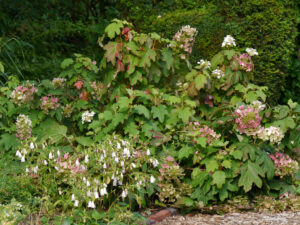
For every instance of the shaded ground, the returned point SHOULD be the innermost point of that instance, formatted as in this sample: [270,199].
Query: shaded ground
[289,218]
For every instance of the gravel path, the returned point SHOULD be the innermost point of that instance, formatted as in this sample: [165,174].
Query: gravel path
[289,218]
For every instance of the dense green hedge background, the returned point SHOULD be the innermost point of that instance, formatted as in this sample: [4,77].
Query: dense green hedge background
[52,30]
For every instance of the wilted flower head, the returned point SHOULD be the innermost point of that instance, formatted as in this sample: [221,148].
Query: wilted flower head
[58,82]
[229,41]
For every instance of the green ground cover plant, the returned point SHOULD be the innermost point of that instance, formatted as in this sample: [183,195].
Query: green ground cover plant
[143,127]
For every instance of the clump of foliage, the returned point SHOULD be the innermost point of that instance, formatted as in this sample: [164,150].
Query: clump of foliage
[144,125]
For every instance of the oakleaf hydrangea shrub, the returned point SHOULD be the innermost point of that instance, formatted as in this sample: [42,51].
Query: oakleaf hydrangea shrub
[144,125]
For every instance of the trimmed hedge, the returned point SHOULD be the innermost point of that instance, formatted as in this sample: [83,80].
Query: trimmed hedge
[268,25]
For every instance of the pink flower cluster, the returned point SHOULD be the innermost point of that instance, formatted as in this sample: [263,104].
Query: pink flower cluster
[284,164]
[167,167]
[247,120]
[245,62]
[185,38]
[23,93]
[205,131]
[49,102]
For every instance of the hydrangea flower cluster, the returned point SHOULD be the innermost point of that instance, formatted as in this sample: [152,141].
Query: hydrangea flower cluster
[251,51]
[49,102]
[185,38]
[247,120]
[170,181]
[204,64]
[272,134]
[23,93]
[87,117]
[58,82]
[98,90]
[229,41]
[67,110]
[245,62]
[258,105]
[284,165]
[23,127]
[205,131]
[218,73]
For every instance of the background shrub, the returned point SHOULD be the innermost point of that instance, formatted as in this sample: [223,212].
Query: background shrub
[267,25]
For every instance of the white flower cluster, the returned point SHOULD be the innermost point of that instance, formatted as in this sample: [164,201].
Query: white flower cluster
[251,51]
[205,64]
[272,134]
[229,41]
[218,73]
[24,150]
[23,125]
[258,105]
[87,116]
[117,163]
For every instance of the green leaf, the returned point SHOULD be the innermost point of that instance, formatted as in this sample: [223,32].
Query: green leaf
[135,77]
[200,81]
[202,141]
[226,164]
[131,128]
[146,58]
[285,123]
[66,63]
[250,96]
[113,29]
[185,152]
[199,177]
[98,215]
[9,141]
[124,102]
[237,154]
[267,165]
[1,67]
[173,100]
[250,175]
[219,178]
[218,59]
[212,165]
[185,114]
[159,112]
[229,53]
[184,201]
[112,51]
[167,57]
[142,110]
[85,141]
